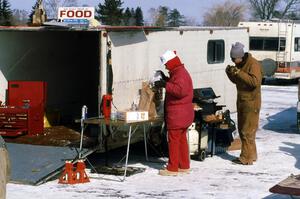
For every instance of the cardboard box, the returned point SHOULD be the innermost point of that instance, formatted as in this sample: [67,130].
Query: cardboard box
[131,116]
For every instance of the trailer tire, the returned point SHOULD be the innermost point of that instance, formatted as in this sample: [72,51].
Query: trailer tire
[202,155]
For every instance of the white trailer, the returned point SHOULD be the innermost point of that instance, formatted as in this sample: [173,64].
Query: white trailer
[204,51]
[74,62]
[277,45]
[76,66]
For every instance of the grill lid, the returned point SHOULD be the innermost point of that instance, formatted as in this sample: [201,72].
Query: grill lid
[204,93]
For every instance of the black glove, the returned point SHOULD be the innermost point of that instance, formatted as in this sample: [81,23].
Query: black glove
[162,74]
[160,84]
[232,69]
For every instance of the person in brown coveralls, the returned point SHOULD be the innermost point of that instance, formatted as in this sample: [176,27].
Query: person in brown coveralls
[247,75]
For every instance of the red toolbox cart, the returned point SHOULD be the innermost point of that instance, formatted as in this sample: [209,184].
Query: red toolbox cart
[24,110]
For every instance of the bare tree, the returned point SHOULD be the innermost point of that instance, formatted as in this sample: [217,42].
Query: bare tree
[52,6]
[290,6]
[19,17]
[226,14]
[267,9]
[70,3]
[264,9]
[162,17]
[153,13]
[159,16]
[190,21]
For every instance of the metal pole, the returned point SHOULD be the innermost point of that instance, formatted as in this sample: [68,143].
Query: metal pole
[145,141]
[83,117]
[127,153]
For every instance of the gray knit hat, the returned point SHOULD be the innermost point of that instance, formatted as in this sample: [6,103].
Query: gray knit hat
[237,50]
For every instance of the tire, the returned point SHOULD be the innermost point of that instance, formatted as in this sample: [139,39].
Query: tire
[202,155]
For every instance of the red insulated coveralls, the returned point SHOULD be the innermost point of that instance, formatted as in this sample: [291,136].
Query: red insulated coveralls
[179,115]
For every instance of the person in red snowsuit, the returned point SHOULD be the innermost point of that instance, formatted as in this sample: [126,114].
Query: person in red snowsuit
[179,112]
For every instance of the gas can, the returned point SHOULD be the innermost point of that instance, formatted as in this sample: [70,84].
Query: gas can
[106,106]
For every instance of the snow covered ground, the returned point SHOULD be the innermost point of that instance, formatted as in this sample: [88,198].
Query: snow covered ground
[278,147]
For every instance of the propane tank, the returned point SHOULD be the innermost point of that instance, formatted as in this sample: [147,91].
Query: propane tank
[194,141]
[106,106]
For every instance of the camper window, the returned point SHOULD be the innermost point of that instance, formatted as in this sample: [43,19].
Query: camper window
[267,43]
[297,44]
[215,51]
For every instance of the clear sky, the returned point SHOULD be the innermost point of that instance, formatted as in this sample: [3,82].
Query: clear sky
[189,8]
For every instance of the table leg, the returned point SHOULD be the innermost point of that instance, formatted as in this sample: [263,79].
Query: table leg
[145,140]
[127,153]
[105,143]
[213,140]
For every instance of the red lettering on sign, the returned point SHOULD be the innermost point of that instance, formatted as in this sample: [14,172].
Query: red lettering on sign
[70,13]
[62,13]
[79,13]
[87,13]
[75,14]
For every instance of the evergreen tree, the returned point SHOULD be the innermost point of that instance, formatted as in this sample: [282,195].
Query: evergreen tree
[132,12]
[127,16]
[175,19]
[5,13]
[132,19]
[139,18]
[110,12]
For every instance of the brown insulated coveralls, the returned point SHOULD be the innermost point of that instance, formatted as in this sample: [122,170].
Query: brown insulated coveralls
[4,168]
[248,83]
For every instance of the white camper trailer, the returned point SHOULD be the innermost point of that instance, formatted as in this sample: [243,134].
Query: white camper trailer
[204,51]
[74,62]
[277,45]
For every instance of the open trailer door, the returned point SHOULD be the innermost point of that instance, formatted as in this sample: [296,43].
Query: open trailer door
[68,61]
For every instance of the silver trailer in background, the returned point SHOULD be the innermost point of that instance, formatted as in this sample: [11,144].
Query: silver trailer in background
[277,45]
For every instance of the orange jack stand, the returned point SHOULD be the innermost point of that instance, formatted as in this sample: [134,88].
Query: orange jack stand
[81,176]
[68,176]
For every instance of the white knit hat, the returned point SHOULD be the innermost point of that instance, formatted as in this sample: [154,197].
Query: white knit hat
[167,56]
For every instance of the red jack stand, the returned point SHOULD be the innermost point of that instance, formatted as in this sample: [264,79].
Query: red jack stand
[81,176]
[68,176]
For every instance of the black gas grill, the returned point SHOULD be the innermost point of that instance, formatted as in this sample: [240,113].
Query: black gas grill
[205,99]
